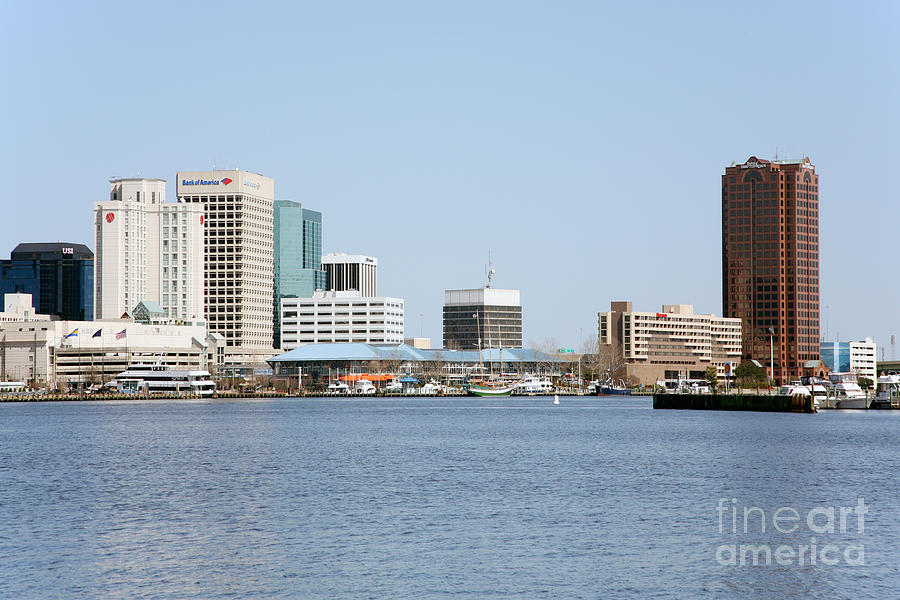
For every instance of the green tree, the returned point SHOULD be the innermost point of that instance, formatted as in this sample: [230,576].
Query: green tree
[749,375]
[712,376]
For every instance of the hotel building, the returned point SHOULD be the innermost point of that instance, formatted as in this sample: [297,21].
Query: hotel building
[297,245]
[770,260]
[345,272]
[482,318]
[148,250]
[58,276]
[345,316]
[663,345]
[238,252]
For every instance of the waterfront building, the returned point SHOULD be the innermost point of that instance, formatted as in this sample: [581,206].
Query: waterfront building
[346,316]
[297,248]
[59,277]
[851,357]
[238,277]
[770,260]
[77,353]
[345,272]
[663,345]
[322,362]
[148,250]
[482,318]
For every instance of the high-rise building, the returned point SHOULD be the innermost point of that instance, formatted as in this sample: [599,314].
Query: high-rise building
[340,317]
[346,272]
[59,276]
[238,252]
[770,260]
[482,318]
[148,250]
[663,345]
[297,245]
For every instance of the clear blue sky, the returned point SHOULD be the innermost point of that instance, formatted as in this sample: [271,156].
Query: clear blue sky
[580,143]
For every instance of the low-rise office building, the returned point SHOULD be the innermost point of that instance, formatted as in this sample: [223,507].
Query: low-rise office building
[675,341]
[334,317]
[851,357]
[62,354]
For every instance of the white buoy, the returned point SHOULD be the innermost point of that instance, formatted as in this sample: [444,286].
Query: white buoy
[555,399]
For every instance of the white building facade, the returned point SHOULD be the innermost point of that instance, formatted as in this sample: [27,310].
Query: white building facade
[62,354]
[347,272]
[238,252]
[347,316]
[148,250]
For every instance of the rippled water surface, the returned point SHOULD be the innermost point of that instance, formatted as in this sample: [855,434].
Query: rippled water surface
[435,498]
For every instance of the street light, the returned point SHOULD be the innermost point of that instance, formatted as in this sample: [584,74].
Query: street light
[772,352]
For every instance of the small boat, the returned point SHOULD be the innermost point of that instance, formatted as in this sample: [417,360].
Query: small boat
[796,388]
[394,387]
[887,392]
[608,388]
[338,388]
[555,399]
[363,387]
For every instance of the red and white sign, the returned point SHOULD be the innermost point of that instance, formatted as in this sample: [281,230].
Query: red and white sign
[201,219]
[661,315]
[110,217]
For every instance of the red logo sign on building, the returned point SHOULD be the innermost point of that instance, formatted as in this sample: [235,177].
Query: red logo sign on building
[226,181]
[110,217]
[201,219]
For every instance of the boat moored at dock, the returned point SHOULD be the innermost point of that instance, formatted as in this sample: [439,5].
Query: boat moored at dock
[159,379]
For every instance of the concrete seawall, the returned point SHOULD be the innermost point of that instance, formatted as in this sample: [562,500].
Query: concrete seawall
[752,402]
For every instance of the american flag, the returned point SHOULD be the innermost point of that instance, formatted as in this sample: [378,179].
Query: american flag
[120,335]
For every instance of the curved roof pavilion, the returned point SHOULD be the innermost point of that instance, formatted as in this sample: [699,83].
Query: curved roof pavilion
[403,357]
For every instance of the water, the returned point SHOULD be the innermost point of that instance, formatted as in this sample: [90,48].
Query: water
[434,498]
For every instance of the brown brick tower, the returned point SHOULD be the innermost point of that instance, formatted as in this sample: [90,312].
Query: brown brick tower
[770,260]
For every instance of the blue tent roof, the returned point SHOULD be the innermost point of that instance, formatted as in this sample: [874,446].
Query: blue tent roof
[405,352]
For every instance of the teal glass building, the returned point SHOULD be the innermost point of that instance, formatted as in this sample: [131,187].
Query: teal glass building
[297,250]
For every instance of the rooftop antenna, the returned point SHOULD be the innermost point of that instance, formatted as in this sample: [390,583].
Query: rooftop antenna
[776,153]
[893,347]
[491,271]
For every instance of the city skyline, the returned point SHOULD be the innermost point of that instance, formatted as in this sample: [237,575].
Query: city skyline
[592,162]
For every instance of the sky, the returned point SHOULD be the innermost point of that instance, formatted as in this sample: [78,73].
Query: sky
[578,146]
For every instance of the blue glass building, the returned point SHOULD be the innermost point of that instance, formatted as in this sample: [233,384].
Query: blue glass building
[59,277]
[297,250]
[836,355]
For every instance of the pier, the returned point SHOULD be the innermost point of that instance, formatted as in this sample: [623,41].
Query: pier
[745,402]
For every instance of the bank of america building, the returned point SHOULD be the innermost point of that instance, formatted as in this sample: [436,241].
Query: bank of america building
[238,252]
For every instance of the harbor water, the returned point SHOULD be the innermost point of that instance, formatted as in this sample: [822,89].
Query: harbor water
[444,498]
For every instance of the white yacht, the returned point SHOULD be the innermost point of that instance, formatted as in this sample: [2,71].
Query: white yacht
[533,384]
[364,387]
[846,391]
[160,379]
[338,388]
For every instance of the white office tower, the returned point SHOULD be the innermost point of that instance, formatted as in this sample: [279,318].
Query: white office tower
[340,317]
[346,272]
[239,269]
[147,250]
